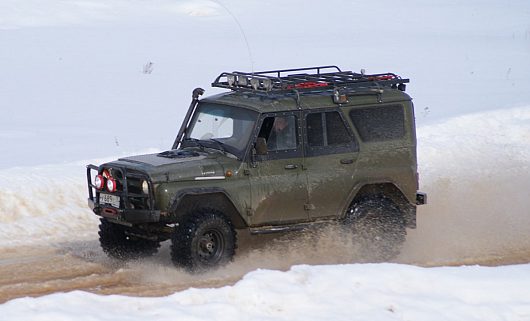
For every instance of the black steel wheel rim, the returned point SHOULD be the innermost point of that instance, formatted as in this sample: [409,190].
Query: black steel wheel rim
[211,246]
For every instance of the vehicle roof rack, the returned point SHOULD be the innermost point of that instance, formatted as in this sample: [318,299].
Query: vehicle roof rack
[320,78]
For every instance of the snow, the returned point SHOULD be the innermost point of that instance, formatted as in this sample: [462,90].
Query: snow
[472,143]
[340,292]
[77,67]
[87,81]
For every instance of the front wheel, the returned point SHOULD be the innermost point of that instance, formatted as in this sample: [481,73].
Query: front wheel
[378,227]
[203,240]
[117,243]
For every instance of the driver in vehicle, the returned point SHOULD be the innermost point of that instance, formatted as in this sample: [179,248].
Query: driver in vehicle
[282,135]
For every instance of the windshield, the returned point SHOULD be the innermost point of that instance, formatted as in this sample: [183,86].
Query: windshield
[226,125]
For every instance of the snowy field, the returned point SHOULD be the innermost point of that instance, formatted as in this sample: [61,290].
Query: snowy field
[88,81]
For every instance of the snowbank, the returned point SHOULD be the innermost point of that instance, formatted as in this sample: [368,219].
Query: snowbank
[476,145]
[43,203]
[341,292]
[46,203]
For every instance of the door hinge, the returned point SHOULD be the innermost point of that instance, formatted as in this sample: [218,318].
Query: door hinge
[250,211]
[246,172]
[309,207]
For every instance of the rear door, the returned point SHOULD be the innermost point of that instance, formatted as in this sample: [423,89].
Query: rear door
[331,153]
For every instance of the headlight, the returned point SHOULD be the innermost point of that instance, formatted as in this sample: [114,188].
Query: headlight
[145,187]
[111,185]
[98,181]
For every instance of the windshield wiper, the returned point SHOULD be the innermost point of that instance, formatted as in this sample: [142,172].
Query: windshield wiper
[196,141]
[202,145]
[219,143]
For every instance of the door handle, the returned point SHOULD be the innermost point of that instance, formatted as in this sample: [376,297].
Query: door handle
[346,161]
[291,166]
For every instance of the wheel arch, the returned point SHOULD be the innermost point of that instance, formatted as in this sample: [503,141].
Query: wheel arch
[190,199]
[390,191]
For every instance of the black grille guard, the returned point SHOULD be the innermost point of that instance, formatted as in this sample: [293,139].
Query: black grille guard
[125,195]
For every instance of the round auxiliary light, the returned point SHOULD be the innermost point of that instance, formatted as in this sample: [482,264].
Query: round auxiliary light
[145,187]
[242,81]
[254,82]
[111,185]
[231,79]
[267,84]
[99,182]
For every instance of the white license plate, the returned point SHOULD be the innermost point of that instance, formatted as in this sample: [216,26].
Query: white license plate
[109,199]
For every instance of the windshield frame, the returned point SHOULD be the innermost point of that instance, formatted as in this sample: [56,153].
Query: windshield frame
[238,151]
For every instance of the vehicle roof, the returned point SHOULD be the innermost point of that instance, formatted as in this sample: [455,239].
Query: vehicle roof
[272,102]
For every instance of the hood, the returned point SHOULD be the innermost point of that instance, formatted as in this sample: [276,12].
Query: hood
[176,165]
[165,158]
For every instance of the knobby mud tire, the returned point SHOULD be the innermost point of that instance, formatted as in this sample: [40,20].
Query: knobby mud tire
[204,239]
[378,228]
[117,244]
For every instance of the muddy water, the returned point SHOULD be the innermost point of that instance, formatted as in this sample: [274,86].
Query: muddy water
[66,267]
[63,267]
[469,219]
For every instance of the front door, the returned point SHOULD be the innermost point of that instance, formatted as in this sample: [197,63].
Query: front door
[277,179]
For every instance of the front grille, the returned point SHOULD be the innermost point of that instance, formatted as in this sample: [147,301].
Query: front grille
[134,187]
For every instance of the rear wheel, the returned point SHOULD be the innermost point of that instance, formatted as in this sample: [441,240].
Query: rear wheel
[378,227]
[203,240]
[117,243]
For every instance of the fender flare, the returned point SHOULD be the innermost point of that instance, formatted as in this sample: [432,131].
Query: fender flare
[207,197]
[388,189]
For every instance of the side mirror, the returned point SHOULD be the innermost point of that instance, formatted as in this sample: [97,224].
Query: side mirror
[261,146]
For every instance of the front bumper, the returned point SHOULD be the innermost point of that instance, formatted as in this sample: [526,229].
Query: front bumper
[127,215]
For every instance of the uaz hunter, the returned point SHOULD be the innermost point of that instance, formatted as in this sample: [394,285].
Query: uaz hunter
[280,151]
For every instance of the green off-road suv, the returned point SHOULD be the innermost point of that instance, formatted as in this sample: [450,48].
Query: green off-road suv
[282,150]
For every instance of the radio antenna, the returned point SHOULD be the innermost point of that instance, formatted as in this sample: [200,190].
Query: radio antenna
[240,30]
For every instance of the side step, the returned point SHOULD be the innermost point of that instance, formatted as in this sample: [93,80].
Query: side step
[270,229]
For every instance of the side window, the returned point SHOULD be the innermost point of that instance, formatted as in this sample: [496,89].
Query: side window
[327,134]
[280,133]
[315,131]
[337,133]
[379,123]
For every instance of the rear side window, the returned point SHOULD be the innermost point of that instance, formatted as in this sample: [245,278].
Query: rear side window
[337,133]
[315,132]
[379,123]
[327,134]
